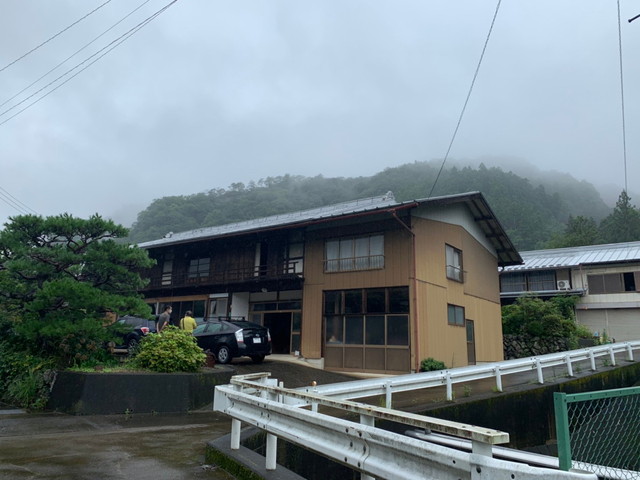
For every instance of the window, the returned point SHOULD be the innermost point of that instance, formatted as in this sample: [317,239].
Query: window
[538,281]
[376,316]
[513,282]
[293,254]
[455,315]
[397,330]
[613,283]
[353,254]
[199,267]
[454,263]
[542,281]
[167,269]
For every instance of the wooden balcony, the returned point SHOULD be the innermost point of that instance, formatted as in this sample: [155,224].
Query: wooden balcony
[252,275]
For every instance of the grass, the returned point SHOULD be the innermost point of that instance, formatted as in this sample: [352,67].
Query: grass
[121,368]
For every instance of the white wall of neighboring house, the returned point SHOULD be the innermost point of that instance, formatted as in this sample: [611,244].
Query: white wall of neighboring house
[617,315]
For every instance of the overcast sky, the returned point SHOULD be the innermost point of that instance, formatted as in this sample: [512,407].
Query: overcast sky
[211,93]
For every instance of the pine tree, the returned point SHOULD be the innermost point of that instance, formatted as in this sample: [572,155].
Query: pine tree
[623,225]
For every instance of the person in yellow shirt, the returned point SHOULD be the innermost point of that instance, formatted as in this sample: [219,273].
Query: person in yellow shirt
[188,323]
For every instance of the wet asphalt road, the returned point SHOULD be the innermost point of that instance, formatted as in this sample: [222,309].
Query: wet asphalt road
[146,446]
[117,447]
[52,446]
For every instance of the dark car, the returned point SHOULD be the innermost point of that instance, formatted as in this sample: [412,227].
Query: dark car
[232,338]
[130,337]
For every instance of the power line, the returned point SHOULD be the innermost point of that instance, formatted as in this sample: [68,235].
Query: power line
[464,107]
[624,127]
[56,35]
[76,52]
[13,202]
[108,48]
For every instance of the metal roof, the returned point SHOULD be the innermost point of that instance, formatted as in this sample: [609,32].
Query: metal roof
[328,211]
[576,256]
[482,214]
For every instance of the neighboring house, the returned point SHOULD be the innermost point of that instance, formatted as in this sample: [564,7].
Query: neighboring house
[372,285]
[607,278]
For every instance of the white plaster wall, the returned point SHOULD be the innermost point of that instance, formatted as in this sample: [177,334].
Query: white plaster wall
[456,215]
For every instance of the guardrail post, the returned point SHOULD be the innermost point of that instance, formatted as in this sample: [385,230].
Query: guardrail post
[387,394]
[449,388]
[539,369]
[498,379]
[592,358]
[367,420]
[481,448]
[567,359]
[271,453]
[612,356]
[629,352]
[235,434]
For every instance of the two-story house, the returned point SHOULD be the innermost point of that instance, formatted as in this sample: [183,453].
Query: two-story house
[606,277]
[371,285]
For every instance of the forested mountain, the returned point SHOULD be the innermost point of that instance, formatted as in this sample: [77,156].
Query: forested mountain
[531,214]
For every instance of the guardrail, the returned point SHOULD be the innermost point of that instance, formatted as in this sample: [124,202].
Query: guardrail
[257,400]
[416,381]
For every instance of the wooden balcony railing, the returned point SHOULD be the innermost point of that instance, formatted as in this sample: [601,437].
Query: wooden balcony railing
[352,264]
[224,277]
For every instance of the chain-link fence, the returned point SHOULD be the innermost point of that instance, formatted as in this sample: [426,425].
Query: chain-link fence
[600,432]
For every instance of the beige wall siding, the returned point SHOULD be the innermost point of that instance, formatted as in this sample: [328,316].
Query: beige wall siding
[479,295]
[430,294]
[397,249]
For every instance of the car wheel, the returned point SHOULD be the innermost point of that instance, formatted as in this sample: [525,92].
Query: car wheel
[132,346]
[223,355]
[257,358]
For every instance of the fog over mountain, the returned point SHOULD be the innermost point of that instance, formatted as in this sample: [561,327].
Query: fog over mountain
[207,94]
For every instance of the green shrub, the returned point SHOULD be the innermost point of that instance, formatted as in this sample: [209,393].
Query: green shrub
[430,364]
[173,350]
[583,332]
[22,377]
[28,390]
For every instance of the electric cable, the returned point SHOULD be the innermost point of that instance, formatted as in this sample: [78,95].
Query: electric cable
[464,107]
[108,48]
[56,35]
[13,202]
[76,52]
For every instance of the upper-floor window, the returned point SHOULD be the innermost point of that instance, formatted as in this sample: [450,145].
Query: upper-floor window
[454,263]
[614,282]
[537,281]
[199,267]
[354,253]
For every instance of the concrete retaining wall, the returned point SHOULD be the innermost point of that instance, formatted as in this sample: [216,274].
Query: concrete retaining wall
[97,393]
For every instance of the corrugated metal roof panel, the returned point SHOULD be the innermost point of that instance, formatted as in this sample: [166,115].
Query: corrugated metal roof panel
[355,206]
[481,211]
[575,256]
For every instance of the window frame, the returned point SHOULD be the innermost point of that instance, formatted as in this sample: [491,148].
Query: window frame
[453,263]
[453,320]
[613,283]
[196,269]
[341,322]
[354,254]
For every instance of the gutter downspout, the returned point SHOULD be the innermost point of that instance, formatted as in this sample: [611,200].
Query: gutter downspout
[414,300]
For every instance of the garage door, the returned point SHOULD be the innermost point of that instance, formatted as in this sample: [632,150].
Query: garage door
[621,324]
